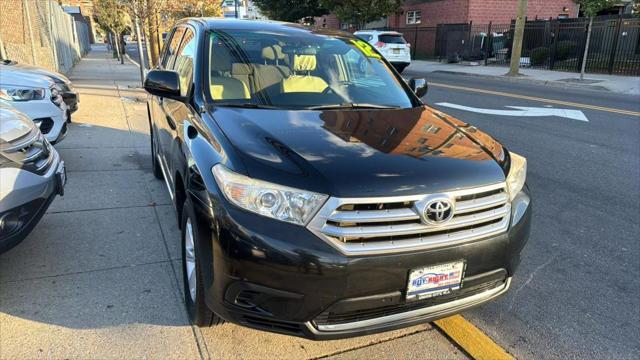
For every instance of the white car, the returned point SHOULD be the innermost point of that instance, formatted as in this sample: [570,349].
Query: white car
[390,44]
[39,98]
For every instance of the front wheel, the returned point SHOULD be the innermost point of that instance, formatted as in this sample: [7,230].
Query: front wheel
[199,312]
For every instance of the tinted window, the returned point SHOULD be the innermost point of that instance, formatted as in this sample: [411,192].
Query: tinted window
[300,70]
[172,49]
[184,61]
[391,39]
[365,37]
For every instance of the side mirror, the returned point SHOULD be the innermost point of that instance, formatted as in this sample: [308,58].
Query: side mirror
[164,83]
[419,86]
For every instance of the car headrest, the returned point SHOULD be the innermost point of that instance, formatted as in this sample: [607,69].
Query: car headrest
[221,59]
[241,69]
[272,53]
[304,62]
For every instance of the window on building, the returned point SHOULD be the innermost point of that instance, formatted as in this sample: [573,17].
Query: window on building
[413,17]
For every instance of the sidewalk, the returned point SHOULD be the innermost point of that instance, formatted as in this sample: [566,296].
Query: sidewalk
[629,85]
[99,277]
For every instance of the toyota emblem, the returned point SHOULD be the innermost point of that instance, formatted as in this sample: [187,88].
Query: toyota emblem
[438,211]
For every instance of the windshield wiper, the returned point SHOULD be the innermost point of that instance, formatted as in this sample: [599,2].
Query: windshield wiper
[248,106]
[351,106]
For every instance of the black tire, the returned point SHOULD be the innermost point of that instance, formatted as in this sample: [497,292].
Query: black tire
[198,311]
[155,166]
[400,68]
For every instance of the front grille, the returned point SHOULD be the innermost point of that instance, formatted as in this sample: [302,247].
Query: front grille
[45,124]
[329,317]
[374,225]
[273,325]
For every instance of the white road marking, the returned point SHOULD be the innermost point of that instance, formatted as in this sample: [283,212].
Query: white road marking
[522,111]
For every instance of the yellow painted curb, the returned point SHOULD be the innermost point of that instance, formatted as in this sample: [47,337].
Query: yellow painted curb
[471,339]
[533,98]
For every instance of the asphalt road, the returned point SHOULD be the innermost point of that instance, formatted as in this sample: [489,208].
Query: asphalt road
[577,291]
[132,50]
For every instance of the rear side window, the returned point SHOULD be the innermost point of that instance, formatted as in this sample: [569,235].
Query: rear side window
[365,37]
[391,39]
[172,49]
[184,62]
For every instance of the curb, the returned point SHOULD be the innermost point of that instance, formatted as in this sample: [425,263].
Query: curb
[471,339]
[526,79]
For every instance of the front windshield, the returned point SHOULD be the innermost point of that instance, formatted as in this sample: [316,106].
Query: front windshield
[299,69]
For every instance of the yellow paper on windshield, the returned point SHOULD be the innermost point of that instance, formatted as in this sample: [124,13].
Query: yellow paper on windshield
[366,48]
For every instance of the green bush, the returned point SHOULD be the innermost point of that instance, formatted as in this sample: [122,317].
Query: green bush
[539,56]
[565,49]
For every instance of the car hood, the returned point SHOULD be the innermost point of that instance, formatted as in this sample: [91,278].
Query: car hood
[357,153]
[23,78]
[55,76]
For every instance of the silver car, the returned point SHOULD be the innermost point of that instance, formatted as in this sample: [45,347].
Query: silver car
[32,174]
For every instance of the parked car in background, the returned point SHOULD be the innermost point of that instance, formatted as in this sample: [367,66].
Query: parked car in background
[316,194]
[39,98]
[390,44]
[32,174]
[69,94]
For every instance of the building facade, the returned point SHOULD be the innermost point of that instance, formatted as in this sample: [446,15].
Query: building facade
[429,13]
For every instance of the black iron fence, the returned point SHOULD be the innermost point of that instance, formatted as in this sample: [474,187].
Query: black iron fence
[552,44]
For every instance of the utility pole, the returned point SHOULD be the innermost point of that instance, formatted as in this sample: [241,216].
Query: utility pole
[140,53]
[516,45]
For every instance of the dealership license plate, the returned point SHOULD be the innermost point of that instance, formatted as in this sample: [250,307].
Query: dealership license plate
[435,280]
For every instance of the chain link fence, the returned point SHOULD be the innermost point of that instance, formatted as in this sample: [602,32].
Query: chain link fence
[39,32]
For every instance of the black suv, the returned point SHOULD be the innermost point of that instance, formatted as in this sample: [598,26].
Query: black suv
[317,195]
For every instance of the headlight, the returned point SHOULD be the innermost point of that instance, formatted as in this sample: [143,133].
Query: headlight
[271,200]
[517,174]
[23,93]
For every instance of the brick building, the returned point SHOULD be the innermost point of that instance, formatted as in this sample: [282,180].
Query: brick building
[429,13]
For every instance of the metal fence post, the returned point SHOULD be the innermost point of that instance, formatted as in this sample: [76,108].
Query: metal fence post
[25,6]
[54,44]
[489,44]
[415,43]
[614,48]
[554,46]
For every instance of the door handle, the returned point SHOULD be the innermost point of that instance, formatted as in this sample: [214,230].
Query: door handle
[171,123]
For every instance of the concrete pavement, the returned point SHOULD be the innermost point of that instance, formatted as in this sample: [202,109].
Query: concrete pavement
[629,85]
[99,277]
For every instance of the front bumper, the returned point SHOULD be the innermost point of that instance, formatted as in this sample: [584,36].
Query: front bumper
[280,277]
[25,198]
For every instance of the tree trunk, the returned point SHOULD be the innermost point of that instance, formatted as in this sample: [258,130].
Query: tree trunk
[586,49]
[152,26]
[516,45]
[115,44]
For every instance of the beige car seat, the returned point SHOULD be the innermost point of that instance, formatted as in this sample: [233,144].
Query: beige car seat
[304,64]
[223,85]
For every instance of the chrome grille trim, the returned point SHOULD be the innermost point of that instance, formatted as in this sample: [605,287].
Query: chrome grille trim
[479,212]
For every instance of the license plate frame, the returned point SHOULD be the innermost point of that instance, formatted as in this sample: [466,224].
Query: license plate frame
[435,280]
[395,51]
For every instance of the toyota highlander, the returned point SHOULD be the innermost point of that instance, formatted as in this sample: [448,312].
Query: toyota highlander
[316,194]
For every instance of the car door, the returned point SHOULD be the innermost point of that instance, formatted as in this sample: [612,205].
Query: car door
[176,112]
[163,124]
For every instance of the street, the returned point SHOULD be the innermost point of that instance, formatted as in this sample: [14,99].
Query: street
[576,293]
